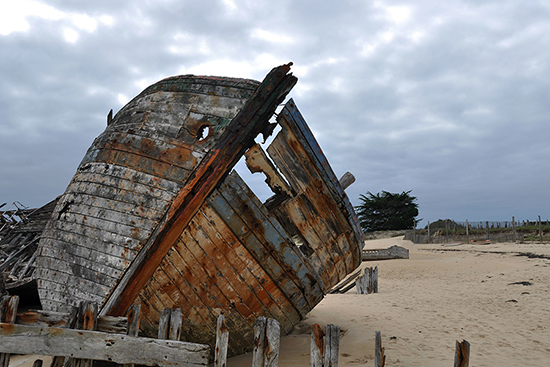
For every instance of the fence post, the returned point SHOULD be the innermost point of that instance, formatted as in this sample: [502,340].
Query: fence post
[317,350]
[8,312]
[368,282]
[467,231]
[487,227]
[540,229]
[222,341]
[379,357]
[332,345]
[133,316]
[462,354]
[87,320]
[446,230]
[429,232]
[514,229]
[266,343]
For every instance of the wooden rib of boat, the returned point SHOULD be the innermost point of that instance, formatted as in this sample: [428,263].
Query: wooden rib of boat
[156,216]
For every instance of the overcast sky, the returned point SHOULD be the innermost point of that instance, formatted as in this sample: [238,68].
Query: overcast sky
[449,99]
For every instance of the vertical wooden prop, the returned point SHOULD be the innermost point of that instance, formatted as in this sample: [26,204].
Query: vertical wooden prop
[222,341]
[368,282]
[540,229]
[58,361]
[514,229]
[133,316]
[267,334]
[332,345]
[462,354]
[170,322]
[87,320]
[379,357]
[8,312]
[317,351]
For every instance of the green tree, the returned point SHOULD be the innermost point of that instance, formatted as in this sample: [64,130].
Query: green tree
[387,211]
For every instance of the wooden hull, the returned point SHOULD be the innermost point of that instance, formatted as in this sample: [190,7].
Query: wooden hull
[121,233]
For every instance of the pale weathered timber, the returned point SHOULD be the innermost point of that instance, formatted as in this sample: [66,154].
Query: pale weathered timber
[317,350]
[332,345]
[132,321]
[266,343]
[393,252]
[462,354]
[222,340]
[342,286]
[368,282]
[379,356]
[87,320]
[8,313]
[346,180]
[83,344]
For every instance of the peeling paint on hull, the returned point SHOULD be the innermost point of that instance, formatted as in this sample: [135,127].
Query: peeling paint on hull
[123,232]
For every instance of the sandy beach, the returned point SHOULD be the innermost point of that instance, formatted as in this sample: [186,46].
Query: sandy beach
[440,295]
[496,296]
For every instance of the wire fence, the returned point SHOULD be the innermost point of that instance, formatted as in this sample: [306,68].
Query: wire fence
[450,231]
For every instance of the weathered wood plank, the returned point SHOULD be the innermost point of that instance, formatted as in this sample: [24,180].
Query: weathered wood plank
[239,264]
[379,356]
[23,339]
[332,345]
[8,314]
[255,247]
[462,354]
[317,350]
[222,340]
[272,238]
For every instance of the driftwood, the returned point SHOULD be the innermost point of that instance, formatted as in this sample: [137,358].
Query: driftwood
[368,282]
[462,354]
[394,252]
[379,357]
[84,344]
[324,346]
[266,343]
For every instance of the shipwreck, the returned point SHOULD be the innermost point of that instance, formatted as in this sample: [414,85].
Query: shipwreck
[155,214]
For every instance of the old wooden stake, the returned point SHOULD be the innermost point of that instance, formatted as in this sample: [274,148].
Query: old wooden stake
[317,350]
[222,341]
[462,354]
[267,333]
[332,345]
[87,320]
[8,312]
[379,357]
[133,316]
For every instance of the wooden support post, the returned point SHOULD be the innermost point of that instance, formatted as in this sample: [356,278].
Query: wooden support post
[462,354]
[332,345]
[467,231]
[429,232]
[222,341]
[317,350]
[133,316]
[170,322]
[514,229]
[58,361]
[368,282]
[267,334]
[379,357]
[8,312]
[87,320]
[346,180]
[540,229]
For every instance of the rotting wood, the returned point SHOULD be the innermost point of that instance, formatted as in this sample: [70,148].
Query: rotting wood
[317,350]
[393,252]
[250,121]
[8,313]
[341,287]
[266,343]
[332,345]
[346,180]
[462,354]
[23,339]
[222,340]
[87,320]
[379,356]
[368,282]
